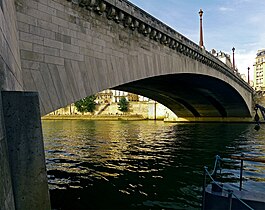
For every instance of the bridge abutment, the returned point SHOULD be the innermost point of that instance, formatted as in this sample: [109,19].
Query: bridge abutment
[25,149]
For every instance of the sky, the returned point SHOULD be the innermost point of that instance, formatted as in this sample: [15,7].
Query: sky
[226,24]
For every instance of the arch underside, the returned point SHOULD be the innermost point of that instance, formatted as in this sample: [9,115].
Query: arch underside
[191,95]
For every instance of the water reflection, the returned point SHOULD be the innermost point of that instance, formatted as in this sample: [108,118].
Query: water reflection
[139,165]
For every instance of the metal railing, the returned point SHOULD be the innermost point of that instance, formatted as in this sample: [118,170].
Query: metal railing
[230,192]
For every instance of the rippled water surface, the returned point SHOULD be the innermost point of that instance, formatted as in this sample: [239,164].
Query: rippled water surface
[141,164]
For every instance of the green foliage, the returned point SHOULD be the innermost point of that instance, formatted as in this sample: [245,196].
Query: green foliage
[123,105]
[86,104]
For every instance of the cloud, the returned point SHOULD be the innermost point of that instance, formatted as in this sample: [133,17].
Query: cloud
[226,9]
[242,1]
[243,60]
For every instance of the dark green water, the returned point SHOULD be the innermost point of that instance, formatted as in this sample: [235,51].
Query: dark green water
[143,164]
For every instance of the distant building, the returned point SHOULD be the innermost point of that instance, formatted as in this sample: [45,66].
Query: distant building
[107,106]
[225,58]
[114,96]
[245,78]
[259,71]
[104,97]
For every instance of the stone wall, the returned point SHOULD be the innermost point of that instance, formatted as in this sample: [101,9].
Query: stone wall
[10,79]
[14,179]
[148,110]
[10,65]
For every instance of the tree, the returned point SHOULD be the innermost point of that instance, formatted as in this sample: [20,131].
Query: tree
[123,105]
[80,106]
[87,104]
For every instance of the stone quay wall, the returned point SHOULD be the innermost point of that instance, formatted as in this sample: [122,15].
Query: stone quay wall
[149,110]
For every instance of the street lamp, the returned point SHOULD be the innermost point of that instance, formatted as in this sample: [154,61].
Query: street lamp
[248,76]
[201,33]
[233,49]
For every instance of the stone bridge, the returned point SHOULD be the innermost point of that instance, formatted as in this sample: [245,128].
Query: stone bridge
[66,50]
[71,49]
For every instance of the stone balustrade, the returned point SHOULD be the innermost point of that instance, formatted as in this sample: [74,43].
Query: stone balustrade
[131,16]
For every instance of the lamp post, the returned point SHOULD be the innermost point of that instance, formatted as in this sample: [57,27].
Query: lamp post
[248,76]
[201,33]
[233,49]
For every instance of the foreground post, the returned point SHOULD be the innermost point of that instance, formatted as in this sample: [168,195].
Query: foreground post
[26,151]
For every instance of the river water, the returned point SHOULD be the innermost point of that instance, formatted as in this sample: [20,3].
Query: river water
[141,164]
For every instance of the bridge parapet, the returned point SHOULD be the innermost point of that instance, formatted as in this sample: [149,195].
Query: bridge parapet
[128,14]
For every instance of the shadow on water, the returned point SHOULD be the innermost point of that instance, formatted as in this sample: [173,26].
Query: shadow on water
[138,165]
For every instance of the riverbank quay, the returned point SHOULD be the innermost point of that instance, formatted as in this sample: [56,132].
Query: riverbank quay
[211,120]
[140,118]
[94,117]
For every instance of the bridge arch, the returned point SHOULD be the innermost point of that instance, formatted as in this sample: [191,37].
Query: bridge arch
[192,95]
